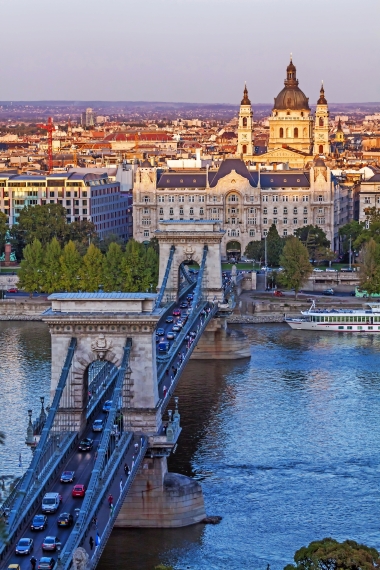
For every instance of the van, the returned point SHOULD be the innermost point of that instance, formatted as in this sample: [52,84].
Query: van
[50,502]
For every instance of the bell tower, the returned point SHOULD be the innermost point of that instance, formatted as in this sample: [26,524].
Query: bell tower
[321,125]
[245,127]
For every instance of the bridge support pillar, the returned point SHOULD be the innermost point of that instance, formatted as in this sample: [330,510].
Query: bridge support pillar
[159,499]
[221,343]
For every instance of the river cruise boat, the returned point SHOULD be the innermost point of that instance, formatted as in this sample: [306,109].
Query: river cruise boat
[340,320]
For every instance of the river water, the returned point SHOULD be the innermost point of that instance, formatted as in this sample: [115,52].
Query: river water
[285,446]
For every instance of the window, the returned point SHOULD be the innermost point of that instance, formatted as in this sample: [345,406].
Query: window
[285,198]
[171,212]
[232,198]
[265,210]
[68,194]
[320,220]
[305,198]
[265,198]
[191,211]
[201,198]
[275,210]
[295,198]
[265,220]
[161,199]
[233,220]
[251,233]
[320,198]
[285,210]
[320,210]
[84,194]
[305,210]
[191,198]
[171,199]
[146,199]
[244,149]
[275,221]
[68,202]
[281,133]
[321,149]
[295,221]
[51,194]
[181,211]
[146,233]
[321,121]
[215,198]
[275,198]
[76,211]
[252,198]
[295,211]
[244,121]
[252,210]
[367,200]
[181,199]
[146,210]
[296,133]
[251,221]
[161,212]
[145,221]
[305,221]
[265,233]
[201,212]
[285,233]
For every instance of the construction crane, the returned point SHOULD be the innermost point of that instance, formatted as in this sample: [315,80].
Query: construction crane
[49,128]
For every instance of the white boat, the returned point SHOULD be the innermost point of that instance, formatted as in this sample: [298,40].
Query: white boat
[340,320]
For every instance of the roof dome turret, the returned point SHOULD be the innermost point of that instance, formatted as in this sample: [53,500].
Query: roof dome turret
[291,97]
[245,100]
[322,98]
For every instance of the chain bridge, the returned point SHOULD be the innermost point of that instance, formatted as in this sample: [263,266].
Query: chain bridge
[108,347]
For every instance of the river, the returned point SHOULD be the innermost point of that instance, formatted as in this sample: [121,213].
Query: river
[285,446]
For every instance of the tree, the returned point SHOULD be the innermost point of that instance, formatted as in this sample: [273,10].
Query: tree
[109,239]
[82,233]
[353,229]
[275,245]
[255,250]
[312,237]
[70,263]
[370,267]
[295,263]
[371,229]
[91,271]
[31,270]
[112,268]
[42,223]
[3,229]
[52,267]
[329,554]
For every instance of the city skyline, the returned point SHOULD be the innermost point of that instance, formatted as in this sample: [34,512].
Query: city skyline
[196,52]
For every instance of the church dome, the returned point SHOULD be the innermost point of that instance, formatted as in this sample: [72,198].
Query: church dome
[291,97]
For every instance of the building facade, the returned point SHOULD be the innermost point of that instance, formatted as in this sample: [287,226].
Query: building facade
[369,196]
[85,196]
[246,202]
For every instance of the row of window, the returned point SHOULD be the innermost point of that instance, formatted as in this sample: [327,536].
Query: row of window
[285,221]
[296,198]
[344,319]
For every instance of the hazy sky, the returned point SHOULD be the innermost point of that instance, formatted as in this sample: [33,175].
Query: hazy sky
[188,50]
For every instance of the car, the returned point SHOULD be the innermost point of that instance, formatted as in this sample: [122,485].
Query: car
[176,313]
[171,335]
[39,522]
[51,502]
[331,269]
[160,332]
[14,567]
[347,270]
[107,406]
[328,292]
[86,444]
[51,543]
[24,546]
[163,346]
[78,491]
[317,270]
[169,319]
[183,306]
[46,563]
[12,290]
[278,293]
[67,476]
[184,316]
[176,328]
[65,519]
[190,297]
[97,425]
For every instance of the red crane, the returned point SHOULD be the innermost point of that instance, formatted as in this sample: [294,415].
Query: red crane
[49,128]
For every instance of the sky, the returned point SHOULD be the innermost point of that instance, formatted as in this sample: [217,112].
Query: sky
[188,50]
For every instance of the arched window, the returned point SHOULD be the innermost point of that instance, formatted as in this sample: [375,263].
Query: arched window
[321,149]
[296,133]
[244,121]
[321,122]
[301,113]
[244,149]
[281,133]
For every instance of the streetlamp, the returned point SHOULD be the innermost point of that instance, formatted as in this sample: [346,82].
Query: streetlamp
[42,414]
[29,430]
[349,255]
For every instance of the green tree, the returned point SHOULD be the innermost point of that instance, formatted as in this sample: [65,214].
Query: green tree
[329,554]
[370,267]
[371,229]
[353,229]
[70,263]
[109,239]
[81,233]
[295,263]
[312,237]
[112,268]
[139,267]
[31,270]
[255,250]
[91,271]
[275,245]
[3,230]
[52,267]
[42,223]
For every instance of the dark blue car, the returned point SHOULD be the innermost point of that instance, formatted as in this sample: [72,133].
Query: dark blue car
[39,522]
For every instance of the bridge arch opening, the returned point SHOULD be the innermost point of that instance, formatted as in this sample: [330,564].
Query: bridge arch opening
[233,249]
[96,377]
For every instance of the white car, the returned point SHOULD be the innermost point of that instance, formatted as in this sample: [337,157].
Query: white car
[97,425]
[318,270]
[331,269]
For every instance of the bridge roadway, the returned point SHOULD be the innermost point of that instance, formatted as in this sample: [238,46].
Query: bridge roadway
[82,463]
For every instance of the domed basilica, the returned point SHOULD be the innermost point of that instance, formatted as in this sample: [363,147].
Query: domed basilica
[295,134]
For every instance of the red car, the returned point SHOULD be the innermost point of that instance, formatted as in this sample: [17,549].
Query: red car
[78,491]
[12,290]
[176,313]
[278,294]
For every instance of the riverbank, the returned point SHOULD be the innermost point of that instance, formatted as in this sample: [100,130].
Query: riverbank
[24,309]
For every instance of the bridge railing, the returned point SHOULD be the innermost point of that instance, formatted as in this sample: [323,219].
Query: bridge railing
[100,385]
[18,507]
[165,279]
[102,458]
